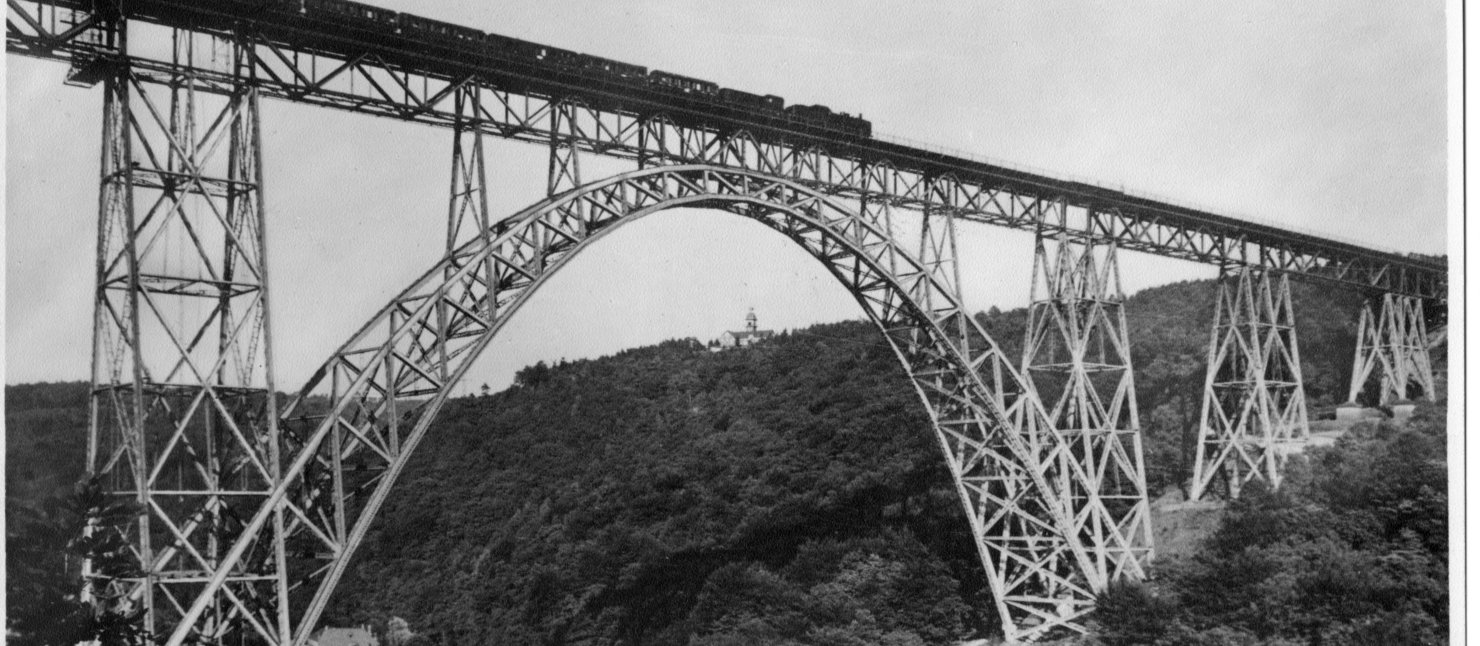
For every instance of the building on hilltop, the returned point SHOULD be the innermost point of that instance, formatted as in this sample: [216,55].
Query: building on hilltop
[741,339]
[360,636]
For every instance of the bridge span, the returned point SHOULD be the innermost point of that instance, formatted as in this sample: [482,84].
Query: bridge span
[252,507]
[365,68]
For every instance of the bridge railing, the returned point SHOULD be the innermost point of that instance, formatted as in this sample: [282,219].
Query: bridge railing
[1129,192]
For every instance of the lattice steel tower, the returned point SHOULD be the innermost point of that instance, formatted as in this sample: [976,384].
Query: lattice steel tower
[1253,412]
[1077,361]
[1393,340]
[183,415]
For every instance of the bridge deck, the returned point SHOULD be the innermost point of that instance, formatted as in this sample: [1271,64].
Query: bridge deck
[354,67]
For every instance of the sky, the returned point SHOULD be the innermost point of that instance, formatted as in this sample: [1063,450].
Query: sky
[1323,116]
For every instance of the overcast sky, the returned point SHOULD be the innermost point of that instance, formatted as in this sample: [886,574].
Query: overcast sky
[1324,116]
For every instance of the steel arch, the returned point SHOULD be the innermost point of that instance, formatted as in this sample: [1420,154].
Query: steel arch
[352,428]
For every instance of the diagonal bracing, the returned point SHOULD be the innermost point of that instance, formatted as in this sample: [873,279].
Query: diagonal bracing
[1393,340]
[183,417]
[1253,413]
[353,427]
[1077,360]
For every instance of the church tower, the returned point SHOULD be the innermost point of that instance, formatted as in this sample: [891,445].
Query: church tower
[743,338]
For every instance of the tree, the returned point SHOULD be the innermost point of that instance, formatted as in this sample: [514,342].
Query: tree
[101,524]
[398,632]
[42,608]
[532,376]
[1132,613]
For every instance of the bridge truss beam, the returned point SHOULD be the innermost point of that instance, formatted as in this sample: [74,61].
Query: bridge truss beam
[183,419]
[1393,340]
[1077,360]
[310,63]
[1253,412]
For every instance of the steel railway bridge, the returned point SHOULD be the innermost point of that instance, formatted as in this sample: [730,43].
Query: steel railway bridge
[251,507]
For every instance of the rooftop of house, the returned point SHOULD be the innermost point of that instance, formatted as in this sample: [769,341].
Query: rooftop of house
[356,636]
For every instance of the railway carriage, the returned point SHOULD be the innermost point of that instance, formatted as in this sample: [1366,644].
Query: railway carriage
[353,11]
[511,49]
[436,30]
[614,68]
[769,103]
[559,57]
[684,84]
[449,37]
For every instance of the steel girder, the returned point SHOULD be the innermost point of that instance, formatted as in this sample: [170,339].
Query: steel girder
[350,431]
[1394,340]
[1077,361]
[1253,412]
[374,78]
[183,415]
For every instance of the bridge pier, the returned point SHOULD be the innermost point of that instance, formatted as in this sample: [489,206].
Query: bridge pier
[1047,583]
[1253,408]
[1394,339]
[1077,361]
[183,416]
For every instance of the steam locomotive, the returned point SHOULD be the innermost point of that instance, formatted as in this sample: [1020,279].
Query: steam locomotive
[459,43]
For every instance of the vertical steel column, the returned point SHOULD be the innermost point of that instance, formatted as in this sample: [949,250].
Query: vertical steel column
[938,254]
[565,160]
[1396,339]
[116,411]
[654,135]
[183,415]
[467,208]
[565,165]
[1077,361]
[874,205]
[467,205]
[1253,411]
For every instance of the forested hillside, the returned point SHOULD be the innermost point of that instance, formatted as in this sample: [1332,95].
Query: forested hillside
[45,451]
[1353,550]
[787,493]
[668,494]
[45,439]
[668,491]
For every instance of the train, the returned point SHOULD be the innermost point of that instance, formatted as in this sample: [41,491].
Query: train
[471,46]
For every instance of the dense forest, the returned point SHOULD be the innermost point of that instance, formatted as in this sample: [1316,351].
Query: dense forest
[1352,550]
[792,493]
